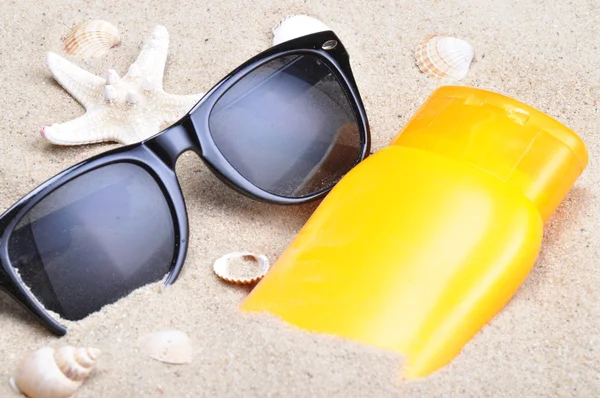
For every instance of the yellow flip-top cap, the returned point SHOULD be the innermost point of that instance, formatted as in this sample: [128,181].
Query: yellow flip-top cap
[504,137]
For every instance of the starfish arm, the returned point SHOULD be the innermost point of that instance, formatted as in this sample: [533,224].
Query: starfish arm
[141,130]
[82,85]
[172,107]
[153,57]
[86,129]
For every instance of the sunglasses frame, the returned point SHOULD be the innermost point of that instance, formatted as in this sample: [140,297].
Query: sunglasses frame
[158,155]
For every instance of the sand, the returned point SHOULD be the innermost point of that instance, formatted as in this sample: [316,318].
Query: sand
[544,343]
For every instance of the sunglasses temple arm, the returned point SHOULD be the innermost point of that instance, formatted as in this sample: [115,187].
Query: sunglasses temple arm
[20,297]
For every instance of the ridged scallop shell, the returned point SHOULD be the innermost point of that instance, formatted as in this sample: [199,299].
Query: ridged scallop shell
[169,346]
[444,57]
[50,373]
[298,25]
[92,39]
[241,267]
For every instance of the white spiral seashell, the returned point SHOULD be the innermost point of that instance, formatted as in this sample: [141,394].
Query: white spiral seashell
[444,57]
[296,26]
[49,373]
[92,39]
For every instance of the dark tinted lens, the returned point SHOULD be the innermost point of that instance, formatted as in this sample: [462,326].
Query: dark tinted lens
[288,127]
[94,240]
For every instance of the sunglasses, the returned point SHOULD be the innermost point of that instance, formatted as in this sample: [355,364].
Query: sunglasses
[283,128]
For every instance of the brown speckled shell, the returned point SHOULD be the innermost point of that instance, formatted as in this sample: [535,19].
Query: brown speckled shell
[91,39]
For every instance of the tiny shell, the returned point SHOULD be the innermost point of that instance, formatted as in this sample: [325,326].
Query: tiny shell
[444,57]
[231,267]
[169,346]
[50,373]
[92,39]
[296,26]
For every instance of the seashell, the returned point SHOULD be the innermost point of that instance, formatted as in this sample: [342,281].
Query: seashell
[241,267]
[444,57]
[169,346]
[92,39]
[299,25]
[50,373]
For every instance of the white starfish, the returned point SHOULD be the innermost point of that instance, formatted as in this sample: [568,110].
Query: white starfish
[124,110]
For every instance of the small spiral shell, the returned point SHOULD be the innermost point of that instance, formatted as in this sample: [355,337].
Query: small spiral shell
[92,39]
[50,373]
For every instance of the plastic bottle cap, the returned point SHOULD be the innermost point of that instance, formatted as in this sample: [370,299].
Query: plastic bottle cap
[510,140]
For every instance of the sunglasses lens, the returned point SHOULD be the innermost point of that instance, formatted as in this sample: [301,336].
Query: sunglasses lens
[288,127]
[94,240]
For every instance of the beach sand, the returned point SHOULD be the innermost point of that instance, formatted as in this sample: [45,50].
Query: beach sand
[544,343]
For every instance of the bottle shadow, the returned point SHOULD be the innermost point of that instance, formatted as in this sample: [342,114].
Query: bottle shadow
[565,229]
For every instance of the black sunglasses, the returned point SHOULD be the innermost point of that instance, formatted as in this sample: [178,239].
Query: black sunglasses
[283,127]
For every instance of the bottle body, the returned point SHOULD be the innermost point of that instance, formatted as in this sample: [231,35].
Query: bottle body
[425,241]
[415,261]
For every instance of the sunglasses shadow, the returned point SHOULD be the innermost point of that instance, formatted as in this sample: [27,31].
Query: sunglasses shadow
[564,225]
[11,310]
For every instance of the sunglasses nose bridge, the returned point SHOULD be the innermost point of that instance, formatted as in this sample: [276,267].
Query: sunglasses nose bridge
[174,141]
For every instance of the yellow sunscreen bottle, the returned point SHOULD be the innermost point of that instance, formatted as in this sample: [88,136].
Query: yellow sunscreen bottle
[425,241]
